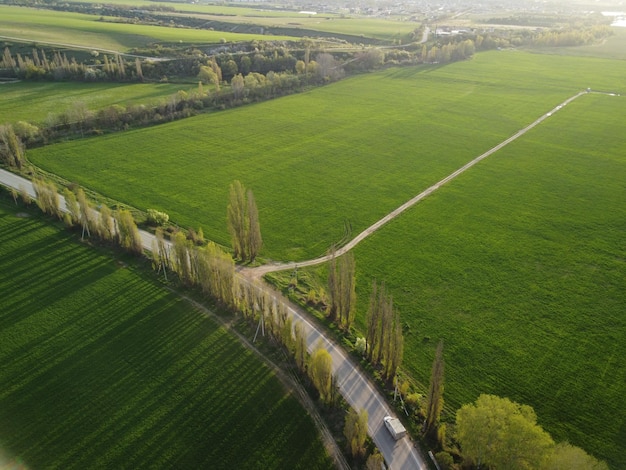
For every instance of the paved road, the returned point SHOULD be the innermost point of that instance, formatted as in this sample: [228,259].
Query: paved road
[267,268]
[354,385]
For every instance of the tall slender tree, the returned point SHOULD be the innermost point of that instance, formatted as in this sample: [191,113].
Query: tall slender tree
[127,232]
[243,222]
[237,222]
[434,401]
[355,431]
[320,371]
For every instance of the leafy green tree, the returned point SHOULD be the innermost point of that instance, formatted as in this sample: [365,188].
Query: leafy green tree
[237,220]
[320,371]
[14,195]
[182,258]
[106,225]
[207,75]
[71,204]
[230,68]
[355,431]
[11,148]
[342,290]
[501,434]
[375,461]
[385,340]
[300,352]
[87,216]
[127,232]
[243,223]
[565,456]
[237,85]
[47,197]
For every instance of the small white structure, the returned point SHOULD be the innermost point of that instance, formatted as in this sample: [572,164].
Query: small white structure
[395,427]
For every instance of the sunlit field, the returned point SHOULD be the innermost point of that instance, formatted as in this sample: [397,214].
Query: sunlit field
[104,368]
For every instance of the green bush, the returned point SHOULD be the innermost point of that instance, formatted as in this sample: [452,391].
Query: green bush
[157,218]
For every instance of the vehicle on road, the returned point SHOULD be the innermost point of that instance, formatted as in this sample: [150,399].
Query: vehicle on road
[395,427]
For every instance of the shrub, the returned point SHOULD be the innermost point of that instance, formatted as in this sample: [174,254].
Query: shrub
[359,345]
[157,218]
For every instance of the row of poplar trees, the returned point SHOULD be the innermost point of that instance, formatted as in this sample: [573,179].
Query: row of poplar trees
[384,337]
[118,227]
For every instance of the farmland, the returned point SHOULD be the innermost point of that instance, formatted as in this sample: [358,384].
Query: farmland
[336,157]
[87,31]
[518,265]
[103,368]
[33,102]
[20,21]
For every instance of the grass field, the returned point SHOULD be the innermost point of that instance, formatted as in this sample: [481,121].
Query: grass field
[344,154]
[325,22]
[519,266]
[34,101]
[104,368]
[86,30]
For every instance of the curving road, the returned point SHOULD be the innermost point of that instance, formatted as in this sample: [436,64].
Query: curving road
[354,385]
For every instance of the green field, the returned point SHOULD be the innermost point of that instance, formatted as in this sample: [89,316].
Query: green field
[104,368]
[35,101]
[519,266]
[87,31]
[270,18]
[341,155]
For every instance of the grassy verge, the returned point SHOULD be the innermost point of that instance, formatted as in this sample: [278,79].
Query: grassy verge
[103,368]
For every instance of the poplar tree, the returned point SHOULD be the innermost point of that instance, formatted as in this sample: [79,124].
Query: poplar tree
[181,258]
[347,279]
[243,223]
[320,371]
[127,232]
[300,352]
[355,431]
[11,151]
[87,218]
[434,401]
[237,222]
[106,224]
[385,340]
[72,207]
[342,290]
